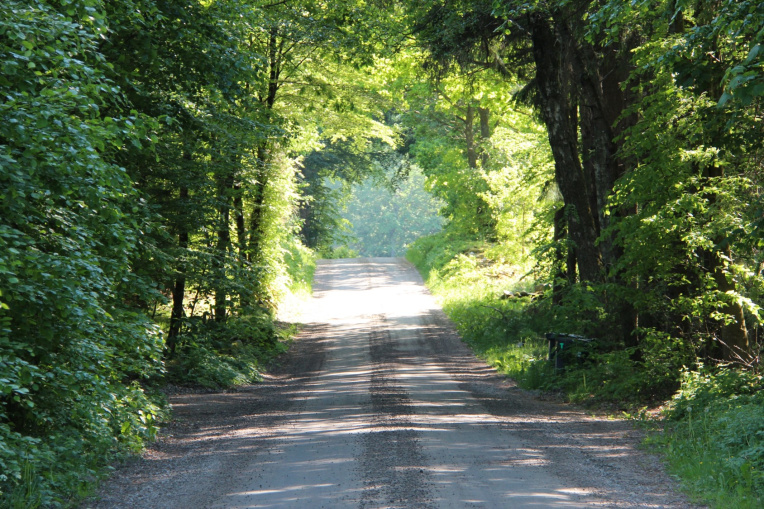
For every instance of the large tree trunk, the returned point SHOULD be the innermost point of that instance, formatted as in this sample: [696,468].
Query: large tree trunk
[225,184]
[599,72]
[555,78]
[179,288]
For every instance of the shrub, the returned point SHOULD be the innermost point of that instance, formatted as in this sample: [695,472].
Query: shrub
[222,355]
[339,252]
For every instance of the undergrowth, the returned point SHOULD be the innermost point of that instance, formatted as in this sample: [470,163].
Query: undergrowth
[61,466]
[471,279]
[713,432]
[338,252]
[222,355]
[714,437]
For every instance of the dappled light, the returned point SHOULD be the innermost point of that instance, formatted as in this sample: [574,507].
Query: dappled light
[398,413]
[579,184]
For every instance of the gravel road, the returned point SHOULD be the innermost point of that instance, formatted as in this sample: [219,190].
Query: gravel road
[379,404]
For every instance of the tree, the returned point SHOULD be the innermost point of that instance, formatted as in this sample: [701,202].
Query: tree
[71,220]
[191,173]
[577,57]
[385,219]
[704,167]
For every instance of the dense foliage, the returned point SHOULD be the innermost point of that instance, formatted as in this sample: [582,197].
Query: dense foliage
[647,235]
[150,154]
[71,224]
[716,436]
[167,166]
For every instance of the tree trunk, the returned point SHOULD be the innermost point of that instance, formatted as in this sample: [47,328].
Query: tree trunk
[734,338]
[469,137]
[179,289]
[560,274]
[599,73]
[241,239]
[225,184]
[241,230]
[258,204]
[268,99]
[485,135]
[554,78]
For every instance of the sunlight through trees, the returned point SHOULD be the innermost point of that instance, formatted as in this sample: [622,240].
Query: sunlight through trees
[169,170]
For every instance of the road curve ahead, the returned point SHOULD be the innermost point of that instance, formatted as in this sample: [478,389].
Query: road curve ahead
[380,405]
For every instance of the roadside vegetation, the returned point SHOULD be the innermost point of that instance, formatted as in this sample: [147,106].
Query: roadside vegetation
[626,213]
[155,163]
[710,423]
[168,172]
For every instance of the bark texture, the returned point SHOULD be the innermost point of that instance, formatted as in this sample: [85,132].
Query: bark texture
[555,77]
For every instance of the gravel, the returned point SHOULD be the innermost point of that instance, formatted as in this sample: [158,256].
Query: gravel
[379,404]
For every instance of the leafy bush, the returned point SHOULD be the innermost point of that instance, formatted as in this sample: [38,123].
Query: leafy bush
[338,252]
[58,465]
[221,355]
[436,251]
[73,339]
[706,389]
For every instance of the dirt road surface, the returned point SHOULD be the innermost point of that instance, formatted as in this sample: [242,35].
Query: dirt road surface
[379,404]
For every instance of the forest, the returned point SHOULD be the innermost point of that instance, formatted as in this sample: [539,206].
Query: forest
[170,171]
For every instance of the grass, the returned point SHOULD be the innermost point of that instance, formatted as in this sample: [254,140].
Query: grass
[469,278]
[711,436]
[714,437]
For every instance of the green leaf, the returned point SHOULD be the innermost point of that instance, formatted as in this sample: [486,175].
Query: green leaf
[753,54]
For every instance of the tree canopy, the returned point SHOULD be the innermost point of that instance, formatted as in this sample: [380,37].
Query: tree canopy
[167,168]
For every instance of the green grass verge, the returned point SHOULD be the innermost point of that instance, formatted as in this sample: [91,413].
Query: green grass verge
[712,436]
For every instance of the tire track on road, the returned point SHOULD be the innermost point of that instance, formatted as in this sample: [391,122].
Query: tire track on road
[393,463]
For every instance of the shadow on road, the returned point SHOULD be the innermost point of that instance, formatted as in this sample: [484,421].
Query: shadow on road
[379,404]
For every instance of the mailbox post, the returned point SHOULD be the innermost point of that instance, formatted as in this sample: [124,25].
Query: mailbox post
[558,343]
